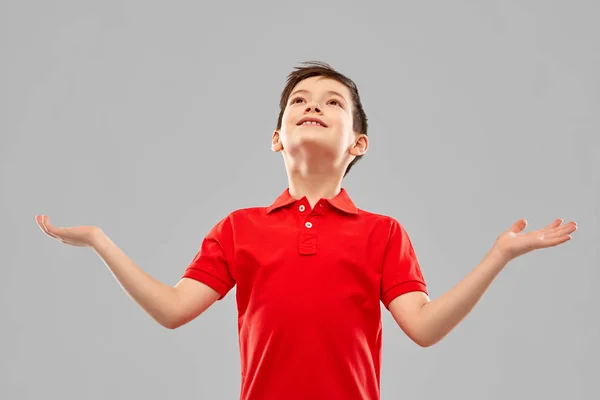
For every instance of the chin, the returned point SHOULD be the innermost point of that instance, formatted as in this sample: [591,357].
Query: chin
[313,147]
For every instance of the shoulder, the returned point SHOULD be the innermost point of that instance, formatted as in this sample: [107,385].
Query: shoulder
[247,214]
[239,218]
[382,221]
[385,227]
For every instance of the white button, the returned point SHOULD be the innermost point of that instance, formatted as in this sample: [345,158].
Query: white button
[302,208]
[308,225]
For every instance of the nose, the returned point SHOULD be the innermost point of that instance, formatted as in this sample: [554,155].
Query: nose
[313,106]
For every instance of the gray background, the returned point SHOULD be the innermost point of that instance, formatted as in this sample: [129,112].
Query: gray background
[153,120]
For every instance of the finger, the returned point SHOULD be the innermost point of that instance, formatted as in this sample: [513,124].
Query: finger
[518,226]
[570,226]
[554,224]
[555,241]
[49,228]
[561,231]
[40,221]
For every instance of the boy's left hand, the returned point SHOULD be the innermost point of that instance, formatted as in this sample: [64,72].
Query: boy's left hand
[513,243]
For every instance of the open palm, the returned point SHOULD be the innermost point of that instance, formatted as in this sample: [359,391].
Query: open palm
[514,243]
[81,236]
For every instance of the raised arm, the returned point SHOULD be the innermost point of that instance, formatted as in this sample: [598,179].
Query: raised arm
[170,306]
[427,322]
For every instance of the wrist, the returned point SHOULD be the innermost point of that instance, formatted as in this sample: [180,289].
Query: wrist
[499,255]
[96,238]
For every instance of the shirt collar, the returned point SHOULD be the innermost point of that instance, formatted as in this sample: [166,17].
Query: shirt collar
[342,202]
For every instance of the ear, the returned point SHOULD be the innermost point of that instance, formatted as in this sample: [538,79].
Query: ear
[276,145]
[360,146]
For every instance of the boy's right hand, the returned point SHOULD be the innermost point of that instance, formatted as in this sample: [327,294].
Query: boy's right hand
[169,306]
[81,236]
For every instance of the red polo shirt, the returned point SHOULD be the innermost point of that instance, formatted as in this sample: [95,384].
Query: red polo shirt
[309,287]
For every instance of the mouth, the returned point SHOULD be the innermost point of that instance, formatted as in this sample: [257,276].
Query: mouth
[312,121]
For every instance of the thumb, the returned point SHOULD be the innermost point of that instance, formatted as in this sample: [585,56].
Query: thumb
[518,226]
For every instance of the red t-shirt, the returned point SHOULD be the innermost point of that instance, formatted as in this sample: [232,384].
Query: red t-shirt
[309,287]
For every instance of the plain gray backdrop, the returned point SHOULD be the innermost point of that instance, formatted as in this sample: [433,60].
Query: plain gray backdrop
[153,120]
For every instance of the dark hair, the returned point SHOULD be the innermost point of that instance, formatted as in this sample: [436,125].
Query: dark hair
[317,68]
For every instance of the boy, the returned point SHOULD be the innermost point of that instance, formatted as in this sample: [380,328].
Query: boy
[311,269]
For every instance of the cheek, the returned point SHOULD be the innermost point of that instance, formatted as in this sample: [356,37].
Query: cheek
[286,126]
[288,114]
[343,125]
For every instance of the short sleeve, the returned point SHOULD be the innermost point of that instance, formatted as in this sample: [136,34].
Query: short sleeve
[401,271]
[211,265]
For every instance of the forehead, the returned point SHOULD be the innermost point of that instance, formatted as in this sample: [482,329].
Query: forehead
[320,84]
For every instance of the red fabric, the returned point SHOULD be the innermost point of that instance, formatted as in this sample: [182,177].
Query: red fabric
[308,296]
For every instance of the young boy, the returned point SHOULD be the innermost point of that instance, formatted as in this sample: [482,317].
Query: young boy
[311,268]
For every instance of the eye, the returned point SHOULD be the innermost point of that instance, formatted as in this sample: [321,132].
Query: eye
[336,102]
[294,100]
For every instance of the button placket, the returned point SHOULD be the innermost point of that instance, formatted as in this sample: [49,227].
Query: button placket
[308,235]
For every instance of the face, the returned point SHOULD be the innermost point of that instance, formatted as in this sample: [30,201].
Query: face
[317,125]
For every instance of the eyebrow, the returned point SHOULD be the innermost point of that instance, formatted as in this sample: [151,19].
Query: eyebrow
[333,92]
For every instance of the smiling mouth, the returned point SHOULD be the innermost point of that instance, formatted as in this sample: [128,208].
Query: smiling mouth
[311,123]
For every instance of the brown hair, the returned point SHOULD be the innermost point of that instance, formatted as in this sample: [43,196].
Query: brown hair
[317,68]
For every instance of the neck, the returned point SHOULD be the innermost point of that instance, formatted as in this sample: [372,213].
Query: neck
[314,186]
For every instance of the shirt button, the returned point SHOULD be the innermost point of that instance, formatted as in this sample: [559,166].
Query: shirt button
[301,208]
[308,225]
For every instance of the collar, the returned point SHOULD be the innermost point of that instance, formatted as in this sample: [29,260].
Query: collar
[342,202]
